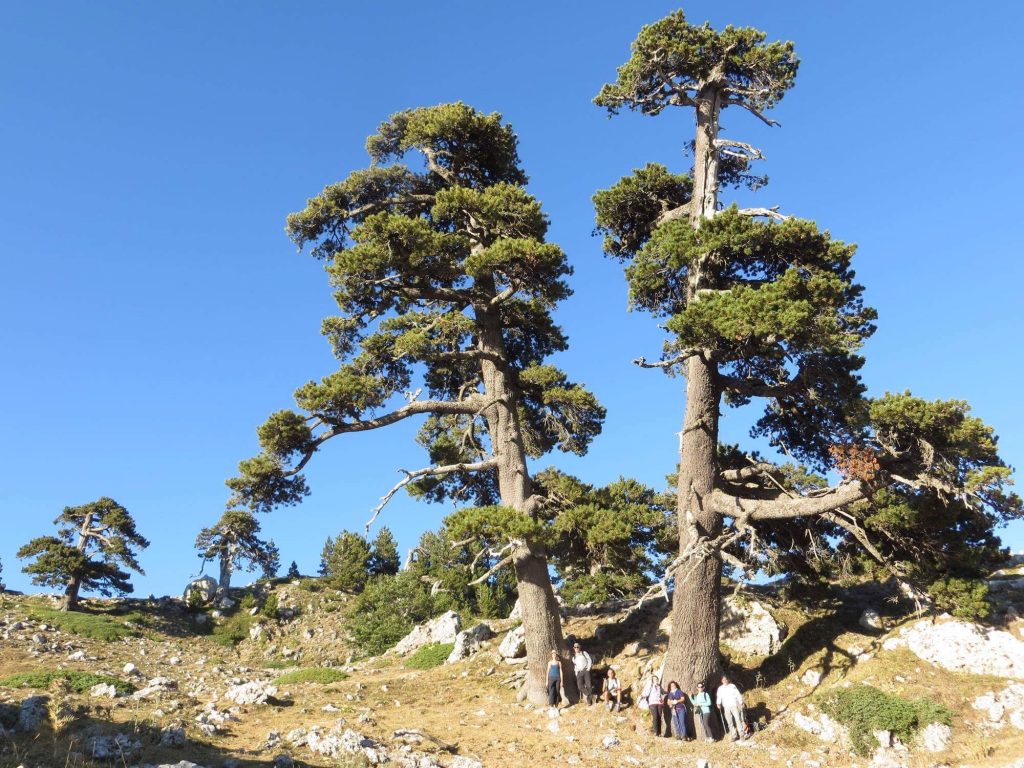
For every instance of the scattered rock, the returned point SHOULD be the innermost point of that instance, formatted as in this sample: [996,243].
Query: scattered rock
[961,646]
[442,629]
[32,713]
[811,677]
[468,642]
[935,737]
[131,670]
[172,736]
[200,591]
[120,746]
[610,741]
[254,692]
[749,628]
[513,645]
[821,725]
[870,619]
[103,691]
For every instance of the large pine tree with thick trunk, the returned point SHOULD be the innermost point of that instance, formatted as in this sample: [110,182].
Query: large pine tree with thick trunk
[760,305]
[445,285]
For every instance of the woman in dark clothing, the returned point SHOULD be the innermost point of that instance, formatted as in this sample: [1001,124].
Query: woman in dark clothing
[675,702]
[554,679]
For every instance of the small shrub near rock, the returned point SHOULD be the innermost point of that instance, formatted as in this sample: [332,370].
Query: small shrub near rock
[79,682]
[864,710]
[322,675]
[963,598]
[430,656]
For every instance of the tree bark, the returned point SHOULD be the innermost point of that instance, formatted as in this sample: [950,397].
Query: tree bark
[542,625]
[224,580]
[70,600]
[693,655]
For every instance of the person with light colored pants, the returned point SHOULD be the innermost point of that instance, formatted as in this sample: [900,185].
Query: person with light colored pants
[730,703]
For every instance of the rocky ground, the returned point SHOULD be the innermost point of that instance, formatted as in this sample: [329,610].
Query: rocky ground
[172,694]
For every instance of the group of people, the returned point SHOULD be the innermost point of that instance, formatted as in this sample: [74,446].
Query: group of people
[668,706]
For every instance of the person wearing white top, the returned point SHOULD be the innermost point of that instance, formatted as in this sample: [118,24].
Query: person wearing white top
[612,691]
[581,664]
[730,704]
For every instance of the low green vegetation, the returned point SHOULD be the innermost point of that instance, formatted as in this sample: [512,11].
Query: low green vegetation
[430,656]
[964,598]
[232,630]
[105,627]
[80,682]
[864,709]
[322,675]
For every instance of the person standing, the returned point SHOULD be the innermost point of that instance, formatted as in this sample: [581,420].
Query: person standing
[581,664]
[554,679]
[654,697]
[701,702]
[612,691]
[730,704]
[675,703]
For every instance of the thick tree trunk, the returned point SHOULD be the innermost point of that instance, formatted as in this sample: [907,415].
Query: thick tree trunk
[224,582]
[693,647]
[69,602]
[542,625]
[696,610]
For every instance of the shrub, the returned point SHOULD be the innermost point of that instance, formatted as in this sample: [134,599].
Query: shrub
[430,656]
[964,598]
[387,609]
[322,675]
[269,608]
[80,682]
[864,709]
[232,630]
[247,603]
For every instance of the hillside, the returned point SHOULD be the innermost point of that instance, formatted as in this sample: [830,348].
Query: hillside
[242,688]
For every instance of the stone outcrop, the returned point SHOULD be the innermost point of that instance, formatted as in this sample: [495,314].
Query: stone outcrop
[468,642]
[748,627]
[202,591]
[442,629]
[961,646]
[513,645]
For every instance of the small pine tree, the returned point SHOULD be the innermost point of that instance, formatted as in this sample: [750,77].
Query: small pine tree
[105,540]
[345,561]
[384,560]
[1,580]
[293,571]
[234,543]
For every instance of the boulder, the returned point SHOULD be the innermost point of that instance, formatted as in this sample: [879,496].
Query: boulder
[749,628]
[468,642]
[32,713]
[820,725]
[103,691]
[200,591]
[870,619]
[254,692]
[934,737]
[442,629]
[516,614]
[119,747]
[513,646]
[961,646]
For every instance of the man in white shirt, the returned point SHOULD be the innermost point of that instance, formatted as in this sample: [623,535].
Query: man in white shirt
[581,664]
[730,704]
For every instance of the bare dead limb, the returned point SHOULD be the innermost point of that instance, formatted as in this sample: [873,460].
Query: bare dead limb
[770,213]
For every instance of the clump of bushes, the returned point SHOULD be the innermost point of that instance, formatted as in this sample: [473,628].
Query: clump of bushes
[322,675]
[79,682]
[97,626]
[387,609]
[864,709]
[963,598]
[430,656]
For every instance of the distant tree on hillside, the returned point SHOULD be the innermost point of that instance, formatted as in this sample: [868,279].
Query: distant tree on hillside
[761,306]
[94,543]
[234,544]
[293,571]
[384,559]
[345,561]
[2,587]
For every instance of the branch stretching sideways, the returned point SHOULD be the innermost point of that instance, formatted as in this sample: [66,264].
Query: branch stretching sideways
[769,213]
[426,472]
[788,508]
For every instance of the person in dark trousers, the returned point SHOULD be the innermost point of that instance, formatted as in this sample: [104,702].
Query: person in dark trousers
[701,702]
[581,664]
[654,698]
[554,679]
[675,704]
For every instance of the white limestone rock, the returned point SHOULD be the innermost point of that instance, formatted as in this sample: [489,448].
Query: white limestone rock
[749,628]
[468,642]
[961,646]
[442,629]
[513,645]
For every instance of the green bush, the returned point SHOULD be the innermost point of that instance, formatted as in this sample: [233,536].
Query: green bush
[80,682]
[99,626]
[232,630]
[430,656]
[247,603]
[864,709]
[387,609]
[964,598]
[323,675]
[269,608]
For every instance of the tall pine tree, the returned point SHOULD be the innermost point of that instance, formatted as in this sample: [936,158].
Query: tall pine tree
[446,286]
[761,306]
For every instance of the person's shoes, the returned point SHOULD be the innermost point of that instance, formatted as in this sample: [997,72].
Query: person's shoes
[709,740]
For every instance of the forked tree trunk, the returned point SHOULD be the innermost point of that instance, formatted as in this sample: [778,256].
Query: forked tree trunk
[693,655]
[542,626]
[69,602]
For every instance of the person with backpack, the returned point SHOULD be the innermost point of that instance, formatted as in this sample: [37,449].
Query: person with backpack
[582,664]
[653,697]
[730,704]
[701,702]
[612,691]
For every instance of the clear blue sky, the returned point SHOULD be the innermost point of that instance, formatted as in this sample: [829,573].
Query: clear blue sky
[153,313]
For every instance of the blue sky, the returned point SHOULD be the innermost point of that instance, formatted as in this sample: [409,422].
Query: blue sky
[153,313]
